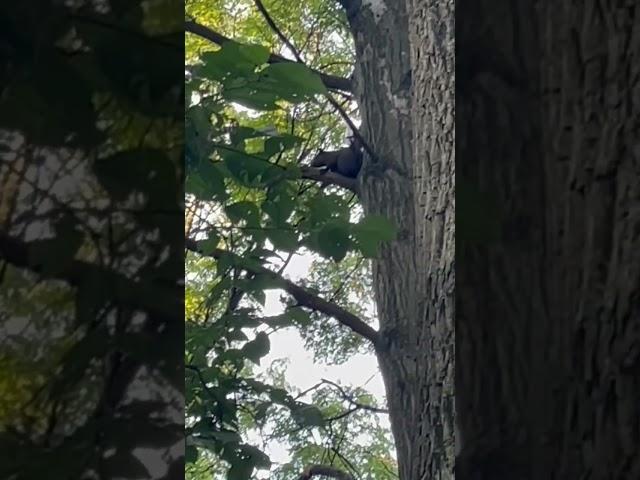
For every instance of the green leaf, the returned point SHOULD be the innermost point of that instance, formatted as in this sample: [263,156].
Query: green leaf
[333,240]
[309,416]
[246,212]
[295,78]
[210,244]
[298,316]
[255,456]
[280,203]
[280,143]
[257,348]
[372,230]
[252,97]
[247,169]
[232,61]
[323,208]
[283,239]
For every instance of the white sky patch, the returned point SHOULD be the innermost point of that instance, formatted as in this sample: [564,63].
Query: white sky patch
[301,371]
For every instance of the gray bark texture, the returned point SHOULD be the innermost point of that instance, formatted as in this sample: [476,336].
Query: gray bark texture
[404,84]
[548,307]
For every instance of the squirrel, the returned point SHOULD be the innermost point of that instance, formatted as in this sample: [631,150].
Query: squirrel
[346,161]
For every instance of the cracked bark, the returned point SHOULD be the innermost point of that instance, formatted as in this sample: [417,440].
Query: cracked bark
[410,180]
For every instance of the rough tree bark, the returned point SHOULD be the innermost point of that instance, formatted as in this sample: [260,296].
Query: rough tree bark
[404,85]
[548,102]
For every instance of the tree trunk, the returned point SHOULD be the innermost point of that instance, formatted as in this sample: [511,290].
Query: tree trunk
[548,327]
[404,83]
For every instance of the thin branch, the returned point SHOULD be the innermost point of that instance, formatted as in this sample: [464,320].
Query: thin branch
[329,178]
[354,129]
[276,30]
[346,279]
[330,81]
[324,471]
[352,401]
[302,296]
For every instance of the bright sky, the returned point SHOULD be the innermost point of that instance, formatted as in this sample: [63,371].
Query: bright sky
[360,370]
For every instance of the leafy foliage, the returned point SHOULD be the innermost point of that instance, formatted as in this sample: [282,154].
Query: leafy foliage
[251,124]
[91,129]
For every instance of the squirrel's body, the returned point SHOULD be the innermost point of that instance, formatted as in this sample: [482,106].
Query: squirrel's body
[346,161]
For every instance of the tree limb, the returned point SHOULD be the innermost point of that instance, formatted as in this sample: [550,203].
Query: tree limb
[154,299]
[330,81]
[329,177]
[325,471]
[302,296]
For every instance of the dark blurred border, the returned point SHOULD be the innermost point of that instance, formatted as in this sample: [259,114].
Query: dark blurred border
[548,236]
[91,239]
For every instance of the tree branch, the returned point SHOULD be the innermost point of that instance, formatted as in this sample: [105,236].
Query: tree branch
[325,471]
[276,30]
[302,296]
[329,177]
[352,401]
[330,81]
[154,299]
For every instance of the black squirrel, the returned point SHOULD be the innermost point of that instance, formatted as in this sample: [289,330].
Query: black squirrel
[346,161]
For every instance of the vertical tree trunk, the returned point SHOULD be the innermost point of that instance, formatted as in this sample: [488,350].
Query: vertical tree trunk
[410,180]
[548,327]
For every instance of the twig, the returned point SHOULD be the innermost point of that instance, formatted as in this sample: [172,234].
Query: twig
[276,30]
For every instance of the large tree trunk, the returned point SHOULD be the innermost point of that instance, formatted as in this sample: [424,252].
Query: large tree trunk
[411,180]
[548,327]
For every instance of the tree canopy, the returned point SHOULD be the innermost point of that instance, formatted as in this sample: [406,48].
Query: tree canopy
[267,87]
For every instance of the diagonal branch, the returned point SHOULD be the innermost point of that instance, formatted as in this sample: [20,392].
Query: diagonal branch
[154,299]
[276,30]
[303,296]
[330,81]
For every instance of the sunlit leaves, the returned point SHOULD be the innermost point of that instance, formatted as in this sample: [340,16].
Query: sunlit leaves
[233,60]
[296,80]
[257,122]
[239,69]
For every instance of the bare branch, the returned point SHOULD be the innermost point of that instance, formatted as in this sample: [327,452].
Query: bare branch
[352,401]
[302,296]
[276,30]
[330,81]
[352,126]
